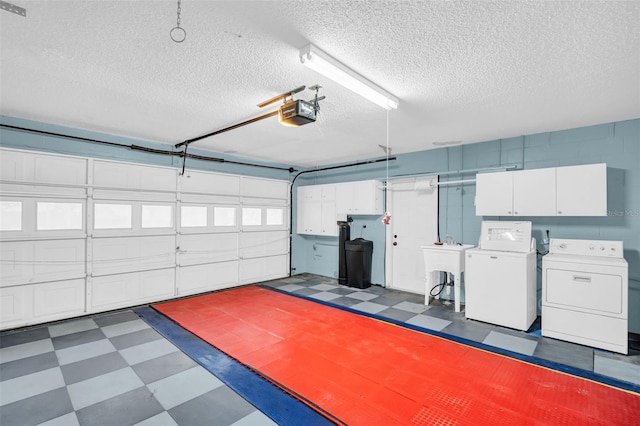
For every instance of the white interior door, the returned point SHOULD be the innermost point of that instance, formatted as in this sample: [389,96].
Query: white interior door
[413,204]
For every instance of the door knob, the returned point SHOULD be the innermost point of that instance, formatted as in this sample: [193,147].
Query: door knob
[395,243]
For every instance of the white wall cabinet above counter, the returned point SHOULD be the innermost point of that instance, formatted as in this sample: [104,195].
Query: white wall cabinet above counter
[557,191]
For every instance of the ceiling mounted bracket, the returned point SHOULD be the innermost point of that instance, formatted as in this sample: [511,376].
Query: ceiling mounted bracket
[13,8]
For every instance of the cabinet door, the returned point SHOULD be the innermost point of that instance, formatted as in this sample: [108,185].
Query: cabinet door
[344,198]
[328,222]
[361,197]
[534,192]
[494,194]
[582,190]
[308,209]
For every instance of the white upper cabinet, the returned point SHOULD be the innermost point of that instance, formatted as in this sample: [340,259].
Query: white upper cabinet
[317,210]
[494,194]
[582,190]
[534,192]
[319,205]
[556,191]
[360,197]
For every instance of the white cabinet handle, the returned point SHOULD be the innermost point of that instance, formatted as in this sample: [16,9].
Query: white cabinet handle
[582,279]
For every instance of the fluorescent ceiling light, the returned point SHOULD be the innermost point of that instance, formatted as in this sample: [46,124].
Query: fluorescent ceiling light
[324,64]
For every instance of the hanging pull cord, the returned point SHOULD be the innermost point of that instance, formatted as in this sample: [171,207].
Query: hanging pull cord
[177,33]
[386,219]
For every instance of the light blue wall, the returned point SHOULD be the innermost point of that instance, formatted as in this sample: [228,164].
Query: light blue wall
[617,144]
[33,141]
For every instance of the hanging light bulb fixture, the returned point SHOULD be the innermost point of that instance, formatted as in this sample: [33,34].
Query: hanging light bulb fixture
[177,33]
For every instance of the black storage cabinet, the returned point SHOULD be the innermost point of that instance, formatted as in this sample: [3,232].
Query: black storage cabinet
[359,252]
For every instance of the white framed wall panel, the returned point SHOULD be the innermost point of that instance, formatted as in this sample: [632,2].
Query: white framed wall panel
[210,183]
[24,166]
[265,188]
[128,254]
[207,277]
[36,303]
[27,262]
[197,249]
[263,268]
[123,290]
[110,174]
[260,244]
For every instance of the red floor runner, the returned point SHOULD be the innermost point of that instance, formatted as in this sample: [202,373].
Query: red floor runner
[368,372]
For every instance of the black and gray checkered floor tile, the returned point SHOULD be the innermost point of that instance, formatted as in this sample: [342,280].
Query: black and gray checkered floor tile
[110,370]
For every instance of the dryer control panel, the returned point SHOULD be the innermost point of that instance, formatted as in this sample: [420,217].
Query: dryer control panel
[586,247]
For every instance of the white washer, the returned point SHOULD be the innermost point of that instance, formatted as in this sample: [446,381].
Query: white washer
[500,276]
[585,293]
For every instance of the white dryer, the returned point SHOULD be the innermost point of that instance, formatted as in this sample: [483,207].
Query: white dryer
[585,293]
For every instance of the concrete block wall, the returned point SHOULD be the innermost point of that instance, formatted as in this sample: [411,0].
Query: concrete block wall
[617,144]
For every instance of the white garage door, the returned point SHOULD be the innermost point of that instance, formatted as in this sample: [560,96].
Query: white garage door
[81,235]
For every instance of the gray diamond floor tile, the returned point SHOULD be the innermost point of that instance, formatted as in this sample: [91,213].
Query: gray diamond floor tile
[21,337]
[146,351]
[428,322]
[101,388]
[343,290]
[304,291]
[464,329]
[511,343]
[79,338]
[124,341]
[24,366]
[361,295]
[181,387]
[218,407]
[396,314]
[36,409]
[386,300]
[618,369]
[30,385]
[125,409]
[346,301]
[116,318]
[255,419]
[92,367]
[369,307]
[162,419]
[291,287]
[69,419]
[25,350]
[565,353]
[325,295]
[323,287]
[124,328]
[416,308]
[84,351]
[72,327]
[164,366]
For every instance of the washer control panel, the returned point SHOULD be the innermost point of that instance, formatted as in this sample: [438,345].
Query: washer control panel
[586,247]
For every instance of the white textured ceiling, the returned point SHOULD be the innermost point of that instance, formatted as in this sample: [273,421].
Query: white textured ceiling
[463,70]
